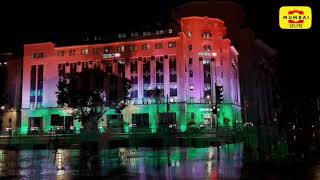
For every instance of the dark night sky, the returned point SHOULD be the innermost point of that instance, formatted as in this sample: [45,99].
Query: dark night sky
[37,21]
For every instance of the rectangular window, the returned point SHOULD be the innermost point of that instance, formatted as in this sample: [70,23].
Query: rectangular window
[40,84]
[145,46]
[108,68]
[206,35]
[141,120]
[33,85]
[108,49]
[115,121]
[73,67]
[84,51]
[173,92]
[134,94]
[190,60]
[37,55]
[72,52]
[165,119]
[190,47]
[133,48]
[134,79]
[96,51]
[35,123]
[85,65]
[158,45]
[61,69]
[171,44]
[120,48]
[34,55]
[60,53]
[173,77]
[190,73]
[134,67]
[56,120]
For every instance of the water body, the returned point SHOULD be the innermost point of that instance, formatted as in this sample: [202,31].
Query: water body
[224,162]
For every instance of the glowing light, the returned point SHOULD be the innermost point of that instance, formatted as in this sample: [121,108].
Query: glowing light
[208,54]
[2,107]
[111,55]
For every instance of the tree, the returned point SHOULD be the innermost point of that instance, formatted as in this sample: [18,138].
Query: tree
[90,93]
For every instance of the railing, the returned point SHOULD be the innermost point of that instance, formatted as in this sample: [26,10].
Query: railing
[222,131]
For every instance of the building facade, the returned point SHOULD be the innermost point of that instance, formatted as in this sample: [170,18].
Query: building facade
[184,66]
[259,83]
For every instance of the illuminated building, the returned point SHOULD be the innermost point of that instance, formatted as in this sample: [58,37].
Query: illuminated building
[259,82]
[185,65]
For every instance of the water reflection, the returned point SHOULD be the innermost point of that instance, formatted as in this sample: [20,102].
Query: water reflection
[134,163]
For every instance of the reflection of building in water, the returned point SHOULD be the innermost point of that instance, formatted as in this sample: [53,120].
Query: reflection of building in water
[181,65]
[59,161]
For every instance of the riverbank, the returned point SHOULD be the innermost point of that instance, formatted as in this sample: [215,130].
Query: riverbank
[110,140]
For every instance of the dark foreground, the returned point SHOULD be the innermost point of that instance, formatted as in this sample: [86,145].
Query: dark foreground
[224,162]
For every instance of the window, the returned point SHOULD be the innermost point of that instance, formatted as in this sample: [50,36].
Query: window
[165,119]
[190,60]
[60,53]
[171,44]
[133,48]
[40,84]
[108,49]
[207,48]
[161,31]
[84,51]
[173,92]
[120,48]
[134,94]
[96,51]
[206,35]
[144,33]
[33,85]
[114,121]
[72,52]
[141,120]
[190,73]
[190,47]
[134,79]
[73,67]
[132,34]
[56,120]
[158,46]
[122,36]
[191,87]
[134,67]
[37,55]
[189,34]
[221,74]
[61,69]
[136,34]
[145,46]
[157,32]
[85,65]
[170,31]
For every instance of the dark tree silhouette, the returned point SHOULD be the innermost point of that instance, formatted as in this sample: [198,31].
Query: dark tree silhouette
[90,93]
